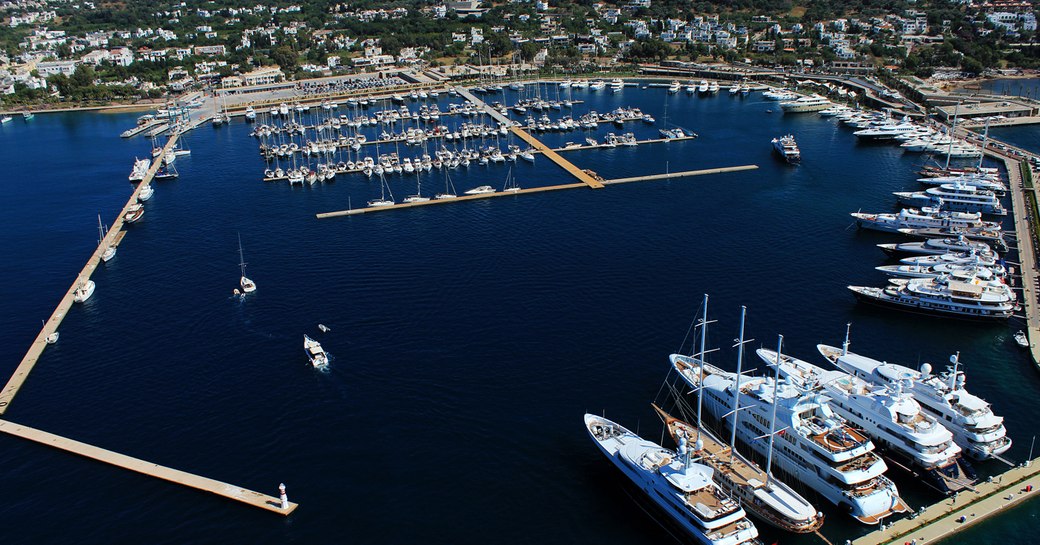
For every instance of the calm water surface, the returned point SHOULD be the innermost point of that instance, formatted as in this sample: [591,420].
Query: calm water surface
[467,339]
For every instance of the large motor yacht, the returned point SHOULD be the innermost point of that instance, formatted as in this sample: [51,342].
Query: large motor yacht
[926,217]
[812,103]
[787,148]
[816,447]
[970,300]
[971,420]
[966,198]
[890,416]
[675,485]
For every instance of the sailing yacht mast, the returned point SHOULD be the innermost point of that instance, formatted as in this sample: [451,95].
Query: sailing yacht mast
[241,258]
[953,136]
[736,396]
[985,142]
[772,421]
[700,383]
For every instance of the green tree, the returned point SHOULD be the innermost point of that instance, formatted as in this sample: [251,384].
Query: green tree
[83,76]
[285,57]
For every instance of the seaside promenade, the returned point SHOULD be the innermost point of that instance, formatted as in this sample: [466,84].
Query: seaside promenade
[962,510]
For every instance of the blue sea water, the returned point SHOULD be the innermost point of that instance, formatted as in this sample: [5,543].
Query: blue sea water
[467,339]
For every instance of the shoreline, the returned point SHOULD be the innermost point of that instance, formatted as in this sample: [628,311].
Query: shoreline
[108,108]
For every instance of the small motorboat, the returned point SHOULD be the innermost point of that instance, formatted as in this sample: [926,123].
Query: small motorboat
[53,337]
[1022,339]
[83,292]
[133,213]
[324,328]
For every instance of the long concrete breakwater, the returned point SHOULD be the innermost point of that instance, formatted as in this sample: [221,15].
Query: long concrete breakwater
[463,198]
[250,497]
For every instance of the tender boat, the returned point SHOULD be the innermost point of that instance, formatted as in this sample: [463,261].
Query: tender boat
[315,353]
[683,490]
[1022,339]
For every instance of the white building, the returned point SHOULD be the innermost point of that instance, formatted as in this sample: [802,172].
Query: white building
[53,68]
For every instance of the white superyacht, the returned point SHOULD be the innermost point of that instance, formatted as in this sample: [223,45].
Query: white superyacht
[926,217]
[974,299]
[815,446]
[971,420]
[681,489]
[889,415]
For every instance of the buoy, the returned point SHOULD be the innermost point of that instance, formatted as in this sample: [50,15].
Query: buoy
[285,498]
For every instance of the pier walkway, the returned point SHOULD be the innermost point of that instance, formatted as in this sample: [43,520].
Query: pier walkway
[114,236]
[256,499]
[556,158]
[1022,199]
[461,198]
[953,514]
[495,114]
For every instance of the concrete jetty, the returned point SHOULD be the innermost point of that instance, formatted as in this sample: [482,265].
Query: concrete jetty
[250,497]
[962,510]
[681,174]
[463,198]
[114,236]
[495,114]
[1022,202]
[556,158]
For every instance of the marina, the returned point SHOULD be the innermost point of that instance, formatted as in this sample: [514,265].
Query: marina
[796,217]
